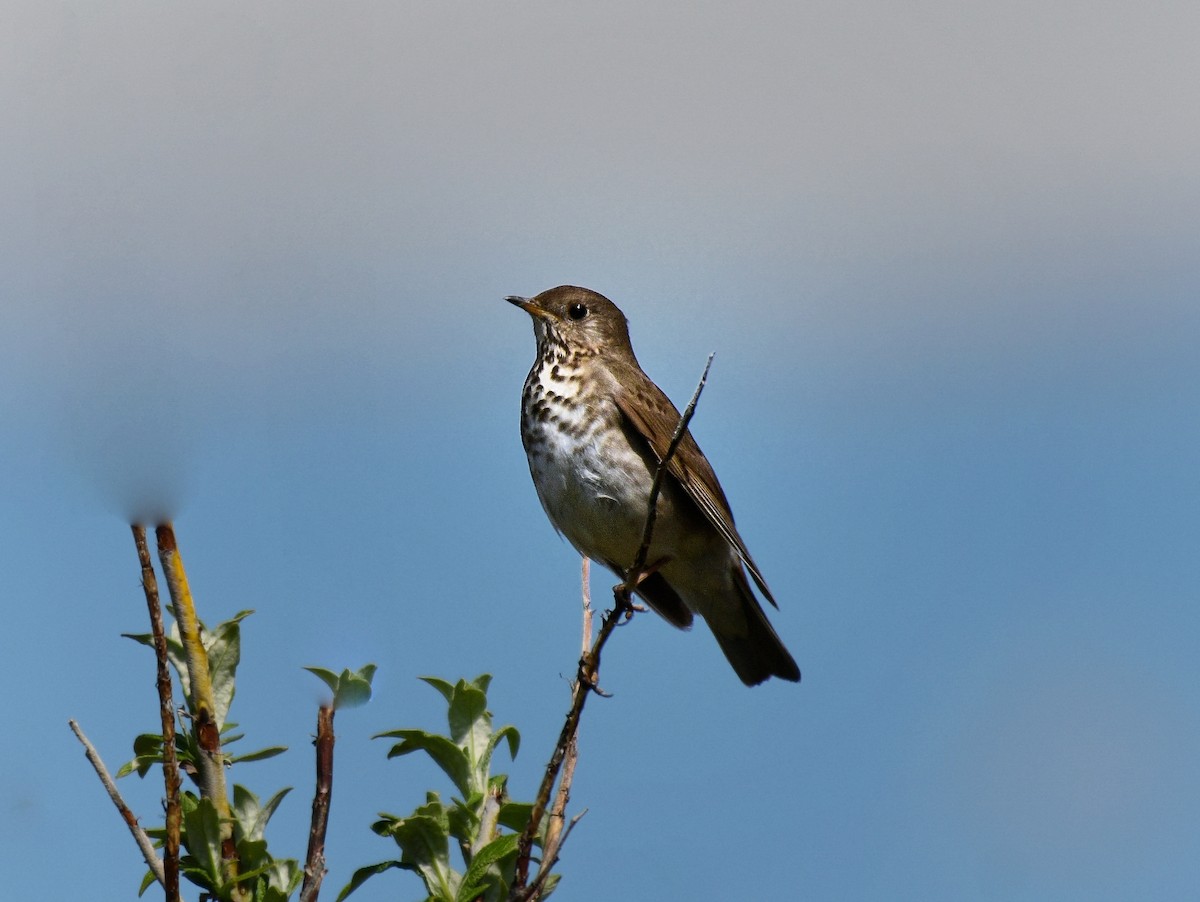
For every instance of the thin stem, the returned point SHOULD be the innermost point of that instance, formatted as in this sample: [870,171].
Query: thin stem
[639,562]
[314,861]
[166,710]
[554,828]
[131,821]
[211,764]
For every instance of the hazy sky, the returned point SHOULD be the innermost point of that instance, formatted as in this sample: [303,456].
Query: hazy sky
[251,271]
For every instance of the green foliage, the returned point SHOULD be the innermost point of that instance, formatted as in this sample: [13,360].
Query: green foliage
[349,689]
[463,851]
[266,878]
[262,877]
[147,750]
[474,818]
[223,646]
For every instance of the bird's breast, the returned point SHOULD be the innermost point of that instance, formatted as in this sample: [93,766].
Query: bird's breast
[592,482]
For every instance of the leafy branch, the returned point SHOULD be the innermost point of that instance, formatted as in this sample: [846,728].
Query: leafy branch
[216,842]
[475,816]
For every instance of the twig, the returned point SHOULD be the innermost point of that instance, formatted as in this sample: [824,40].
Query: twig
[634,576]
[589,664]
[585,681]
[549,860]
[131,821]
[586,580]
[166,710]
[211,764]
[314,861]
[554,827]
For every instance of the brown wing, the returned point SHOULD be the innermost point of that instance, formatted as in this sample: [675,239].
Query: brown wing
[653,415]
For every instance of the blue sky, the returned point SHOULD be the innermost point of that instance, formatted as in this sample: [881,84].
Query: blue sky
[253,263]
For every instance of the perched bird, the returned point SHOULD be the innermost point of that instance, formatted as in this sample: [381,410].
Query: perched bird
[595,429]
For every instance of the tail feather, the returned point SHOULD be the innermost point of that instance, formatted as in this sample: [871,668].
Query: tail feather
[757,653]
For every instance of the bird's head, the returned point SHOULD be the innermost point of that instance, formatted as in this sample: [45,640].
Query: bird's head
[576,321]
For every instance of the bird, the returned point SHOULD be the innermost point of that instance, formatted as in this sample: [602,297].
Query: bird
[595,429]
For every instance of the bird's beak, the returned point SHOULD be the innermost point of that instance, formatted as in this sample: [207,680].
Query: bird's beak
[528,305]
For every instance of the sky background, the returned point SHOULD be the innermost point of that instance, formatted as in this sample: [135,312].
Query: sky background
[252,260]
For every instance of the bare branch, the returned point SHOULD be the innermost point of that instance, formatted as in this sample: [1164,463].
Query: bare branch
[549,860]
[586,580]
[554,827]
[634,575]
[131,821]
[314,861]
[166,710]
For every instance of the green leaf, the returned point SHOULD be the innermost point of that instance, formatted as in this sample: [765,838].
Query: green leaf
[448,756]
[514,743]
[202,838]
[260,755]
[463,820]
[363,874]
[470,728]
[470,723]
[224,647]
[250,817]
[424,840]
[197,875]
[286,875]
[147,744]
[386,822]
[268,810]
[274,877]
[253,858]
[549,885]
[515,815]
[148,881]
[148,749]
[445,688]
[350,690]
[141,765]
[484,871]
[328,677]
[245,809]
[353,692]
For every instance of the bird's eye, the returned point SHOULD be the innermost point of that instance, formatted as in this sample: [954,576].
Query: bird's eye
[577,311]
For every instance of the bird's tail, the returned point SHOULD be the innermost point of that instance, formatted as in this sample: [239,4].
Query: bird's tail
[756,652]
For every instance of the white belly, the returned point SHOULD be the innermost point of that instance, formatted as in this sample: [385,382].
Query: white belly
[592,484]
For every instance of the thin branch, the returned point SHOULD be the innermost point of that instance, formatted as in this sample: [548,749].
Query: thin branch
[589,662]
[131,821]
[211,763]
[585,682]
[549,860]
[634,576]
[166,710]
[314,861]
[554,827]
[586,580]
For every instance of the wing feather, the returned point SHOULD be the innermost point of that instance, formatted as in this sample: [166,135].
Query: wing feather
[655,418]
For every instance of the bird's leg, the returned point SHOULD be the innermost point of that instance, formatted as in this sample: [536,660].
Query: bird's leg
[586,579]
[626,589]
